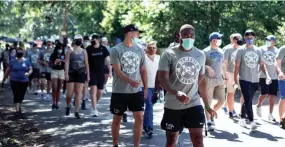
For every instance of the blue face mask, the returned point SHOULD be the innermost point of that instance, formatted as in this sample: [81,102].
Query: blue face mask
[187,43]
[249,41]
[59,51]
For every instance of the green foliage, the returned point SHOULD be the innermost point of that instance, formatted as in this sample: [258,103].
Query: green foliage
[159,19]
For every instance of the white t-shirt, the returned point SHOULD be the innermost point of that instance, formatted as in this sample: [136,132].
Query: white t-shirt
[152,67]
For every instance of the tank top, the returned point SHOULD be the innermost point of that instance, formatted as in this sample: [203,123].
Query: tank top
[77,62]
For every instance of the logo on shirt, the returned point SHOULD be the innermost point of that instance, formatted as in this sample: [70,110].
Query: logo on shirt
[130,62]
[187,69]
[216,57]
[34,58]
[251,59]
[233,57]
[46,57]
[97,54]
[269,57]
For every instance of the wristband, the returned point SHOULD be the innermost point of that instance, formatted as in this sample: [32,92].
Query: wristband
[207,107]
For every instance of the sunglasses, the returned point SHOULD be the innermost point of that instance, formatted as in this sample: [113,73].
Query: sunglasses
[152,48]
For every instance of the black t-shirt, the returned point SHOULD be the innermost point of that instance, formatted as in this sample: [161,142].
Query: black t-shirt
[53,57]
[96,58]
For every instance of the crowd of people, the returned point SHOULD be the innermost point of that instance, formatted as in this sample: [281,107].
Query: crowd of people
[191,78]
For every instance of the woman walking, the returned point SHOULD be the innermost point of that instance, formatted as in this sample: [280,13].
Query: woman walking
[76,73]
[57,73]
[19,71]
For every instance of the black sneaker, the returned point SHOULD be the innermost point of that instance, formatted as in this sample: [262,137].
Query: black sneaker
[83,106]
[77,115]
[125,117]
[53,106]
[150,132]
[67,111]
[115,146]
[231,115]
[56,107]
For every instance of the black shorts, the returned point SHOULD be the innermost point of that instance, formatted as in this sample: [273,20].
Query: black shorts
[271,89]
[75,77]
[97,80]
[35,74]
[46,75]
[120,102]
[106,69]
[176,120]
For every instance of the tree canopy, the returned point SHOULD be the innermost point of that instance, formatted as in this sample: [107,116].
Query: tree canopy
[159,19]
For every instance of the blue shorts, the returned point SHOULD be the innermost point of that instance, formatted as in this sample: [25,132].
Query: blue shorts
[281,85]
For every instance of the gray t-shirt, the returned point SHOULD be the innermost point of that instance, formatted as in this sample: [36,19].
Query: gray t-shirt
[214,59]
[33,56]
[268,57]
[130,60]
[44,56]
[249,59]
[230,56]
[281,56]
[184,69]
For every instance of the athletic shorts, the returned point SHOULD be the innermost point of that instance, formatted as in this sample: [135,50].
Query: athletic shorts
[75,77]
[215,89]
[176,120]
[46,75]
[57,74]
[36,74]
[230,83]
[120,102]
[271,89]
[97,80]
[281,85]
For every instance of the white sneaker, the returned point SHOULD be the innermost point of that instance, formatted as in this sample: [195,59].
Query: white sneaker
[210,126]
[253,126]
[258,111]
[104,91]
[96,112]
[271,118]
[242,122]
[30,91]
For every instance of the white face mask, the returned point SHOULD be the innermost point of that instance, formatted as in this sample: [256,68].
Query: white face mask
[268,43]
[219,42]
[188,43]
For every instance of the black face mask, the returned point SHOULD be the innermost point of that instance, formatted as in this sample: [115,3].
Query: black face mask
[93,42]
[19,54]
[78,42]
[239,42]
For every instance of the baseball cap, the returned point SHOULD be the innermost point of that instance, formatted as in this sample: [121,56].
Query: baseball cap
[215,35]
[271,38]
[130,28]
[104,39]
[186,26]
[49,40]
[95,36]
[78,37]
[249,32]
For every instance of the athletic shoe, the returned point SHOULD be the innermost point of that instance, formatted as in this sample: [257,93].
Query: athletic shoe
[225,110]
[150,132]
[53,106]
[76,114]
[213,121]
[42,96]
[253,126]
[271,118]
[231,115]
[258,111]
[96,112]
[56,107]
[67,111]
[93,113]
[242,122]
[210,126]
[104,91]
[83,106]
[235,114]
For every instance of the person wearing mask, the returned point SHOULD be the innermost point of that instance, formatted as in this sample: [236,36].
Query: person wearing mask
[215,75]
[106,69]
[229,62]
[33,55]
[19,71]
[181,73]
[76,74]
[280,66]
[56,62]
[45,70]
[151,63]
[98,55]
[248,58]
[85,44]
[128,61]
[268,81]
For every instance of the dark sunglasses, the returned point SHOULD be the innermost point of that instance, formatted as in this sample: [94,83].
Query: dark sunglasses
[152,48]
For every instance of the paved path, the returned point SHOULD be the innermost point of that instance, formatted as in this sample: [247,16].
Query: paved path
[93,132]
